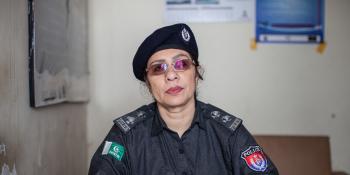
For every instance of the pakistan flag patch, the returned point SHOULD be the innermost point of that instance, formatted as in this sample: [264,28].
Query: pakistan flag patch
[114,149]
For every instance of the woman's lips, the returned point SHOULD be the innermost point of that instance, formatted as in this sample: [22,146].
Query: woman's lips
[174,90]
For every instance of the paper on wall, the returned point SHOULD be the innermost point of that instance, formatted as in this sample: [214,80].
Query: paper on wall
[208,11]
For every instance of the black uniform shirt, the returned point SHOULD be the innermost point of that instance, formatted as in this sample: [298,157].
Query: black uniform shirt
[215,144]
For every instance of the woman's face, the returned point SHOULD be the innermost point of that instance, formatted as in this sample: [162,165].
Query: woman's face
[171,88]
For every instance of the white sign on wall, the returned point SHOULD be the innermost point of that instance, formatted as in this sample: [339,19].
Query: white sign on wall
[208,11]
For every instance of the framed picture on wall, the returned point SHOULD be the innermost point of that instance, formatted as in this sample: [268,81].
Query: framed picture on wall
[58,60]
[290,21]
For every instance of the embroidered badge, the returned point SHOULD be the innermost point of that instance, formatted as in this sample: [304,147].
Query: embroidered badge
[235,123]
[113,149]
[226,118]
[215,114]
[124,126]
[130,120]
[140,114]
[255,159]
[185,35]
[126,122]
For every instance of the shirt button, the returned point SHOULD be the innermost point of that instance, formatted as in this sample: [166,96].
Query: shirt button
[181,151]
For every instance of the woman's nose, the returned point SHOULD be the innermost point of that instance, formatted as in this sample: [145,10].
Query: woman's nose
[171,74]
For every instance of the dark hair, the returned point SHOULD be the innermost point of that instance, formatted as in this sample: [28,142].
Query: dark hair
[199,70]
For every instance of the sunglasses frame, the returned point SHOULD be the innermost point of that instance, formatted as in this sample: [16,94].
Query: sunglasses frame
[165,66]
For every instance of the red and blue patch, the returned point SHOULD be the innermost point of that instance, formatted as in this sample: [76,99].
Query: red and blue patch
[255,159]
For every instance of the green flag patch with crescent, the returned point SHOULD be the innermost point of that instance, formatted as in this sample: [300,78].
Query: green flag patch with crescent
[114,149]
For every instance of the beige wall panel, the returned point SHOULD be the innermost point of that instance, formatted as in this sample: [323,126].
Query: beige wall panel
[49,140]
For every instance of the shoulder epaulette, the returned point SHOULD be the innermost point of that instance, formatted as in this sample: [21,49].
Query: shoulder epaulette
[130,120]
[229,121]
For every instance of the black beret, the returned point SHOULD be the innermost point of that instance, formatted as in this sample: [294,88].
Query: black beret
[177,36]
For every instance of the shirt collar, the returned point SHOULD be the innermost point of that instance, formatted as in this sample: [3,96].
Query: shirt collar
[200,119]
[158,124]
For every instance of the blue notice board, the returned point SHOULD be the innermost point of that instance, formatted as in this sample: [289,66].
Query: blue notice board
[290,21]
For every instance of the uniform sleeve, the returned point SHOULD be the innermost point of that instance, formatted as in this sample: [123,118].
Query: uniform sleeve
[111,157]
[248,157]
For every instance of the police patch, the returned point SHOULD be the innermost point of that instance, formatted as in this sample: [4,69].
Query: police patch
[255,159]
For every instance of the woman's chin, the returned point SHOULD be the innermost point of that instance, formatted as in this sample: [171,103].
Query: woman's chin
[177,101]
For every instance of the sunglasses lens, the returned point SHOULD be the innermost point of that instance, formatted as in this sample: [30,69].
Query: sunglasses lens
[181,65]
[157,69]
[161,68]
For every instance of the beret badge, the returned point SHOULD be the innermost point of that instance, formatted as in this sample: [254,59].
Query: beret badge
[185,35]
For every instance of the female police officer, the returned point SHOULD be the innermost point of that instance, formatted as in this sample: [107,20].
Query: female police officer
[177,134]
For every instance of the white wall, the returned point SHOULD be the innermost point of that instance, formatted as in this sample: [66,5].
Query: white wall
[277,89]
[45,141]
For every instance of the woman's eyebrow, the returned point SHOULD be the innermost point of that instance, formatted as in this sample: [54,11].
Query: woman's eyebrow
[157,61]
[173,58]
[179,55]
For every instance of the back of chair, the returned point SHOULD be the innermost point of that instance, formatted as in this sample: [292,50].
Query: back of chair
[298,155]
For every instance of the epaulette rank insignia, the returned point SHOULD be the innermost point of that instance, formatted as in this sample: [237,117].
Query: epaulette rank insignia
[128,121]
[225,119]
